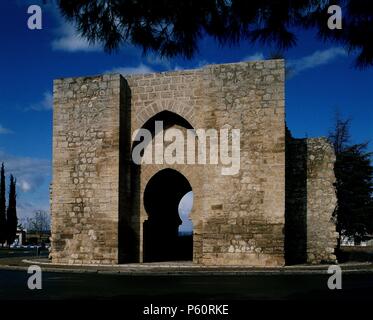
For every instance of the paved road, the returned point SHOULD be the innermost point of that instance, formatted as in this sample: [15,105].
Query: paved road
[62,285]
[58,285]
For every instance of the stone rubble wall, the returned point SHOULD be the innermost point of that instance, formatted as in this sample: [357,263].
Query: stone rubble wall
[86,123]
[244,213]
[310,235]
[238,220]
[97,194]
[321,202]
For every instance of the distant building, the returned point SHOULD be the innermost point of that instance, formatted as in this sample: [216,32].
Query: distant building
[20,237]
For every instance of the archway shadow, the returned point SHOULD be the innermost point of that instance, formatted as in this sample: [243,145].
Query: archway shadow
[295,201]
[162,196]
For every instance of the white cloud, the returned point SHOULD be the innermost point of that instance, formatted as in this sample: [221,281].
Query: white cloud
[179,68]
[203,63]
[24,185]
[199,64]
[69,40]
[33,177]
[30,173]
[66,37]
[141,68]
[45,104]
[314,60]
[254,57]
[155,59]
[4,130]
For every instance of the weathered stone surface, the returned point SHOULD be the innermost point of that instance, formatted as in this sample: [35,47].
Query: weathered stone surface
[97,202]
[321,202]
[310,201]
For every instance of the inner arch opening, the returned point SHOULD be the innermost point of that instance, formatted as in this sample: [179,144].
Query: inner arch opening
[162,196]
[185,208]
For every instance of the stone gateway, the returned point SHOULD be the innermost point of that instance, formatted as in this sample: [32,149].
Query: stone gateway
[106,209]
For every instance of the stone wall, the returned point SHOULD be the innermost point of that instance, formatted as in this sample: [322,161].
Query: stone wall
[238,220]
[310,201]
[321,202]
[98,211]
[244,217]
[85,198]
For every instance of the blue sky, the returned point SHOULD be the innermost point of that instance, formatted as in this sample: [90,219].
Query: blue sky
[323,80]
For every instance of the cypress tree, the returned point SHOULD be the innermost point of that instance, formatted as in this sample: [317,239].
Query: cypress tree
[12,220]
[3,226]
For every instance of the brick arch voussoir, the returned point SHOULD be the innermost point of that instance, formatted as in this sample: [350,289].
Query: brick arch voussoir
[181,108]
